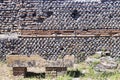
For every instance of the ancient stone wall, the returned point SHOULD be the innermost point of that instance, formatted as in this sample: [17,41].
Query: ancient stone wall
[53,48]
[59,15]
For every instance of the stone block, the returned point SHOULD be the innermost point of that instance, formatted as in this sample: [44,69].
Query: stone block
[25,61]
[19,71]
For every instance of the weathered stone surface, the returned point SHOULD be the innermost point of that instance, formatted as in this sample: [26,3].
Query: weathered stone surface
[106,64]
[25,61]
[91,60]
[37,61]
[109,62]
[99,68]
[67,61]
[57,63]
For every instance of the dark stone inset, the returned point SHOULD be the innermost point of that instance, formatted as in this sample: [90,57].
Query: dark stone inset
[34,14]
[75,14]
[1,1]
[40,20]
[23,15]
[110,16]
[108,0]
[61,48]
[49,13]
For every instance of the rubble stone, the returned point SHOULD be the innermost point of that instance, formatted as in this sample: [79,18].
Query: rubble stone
[106,64]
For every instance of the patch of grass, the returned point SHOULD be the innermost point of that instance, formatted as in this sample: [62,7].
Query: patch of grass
[93,75]
[116,76]
[102,75]
[97,56]
[65,77]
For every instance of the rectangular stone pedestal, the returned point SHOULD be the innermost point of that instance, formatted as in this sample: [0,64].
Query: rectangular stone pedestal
[19,71]
[55,71]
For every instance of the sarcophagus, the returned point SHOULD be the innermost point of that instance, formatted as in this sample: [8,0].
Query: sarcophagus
[37,61]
